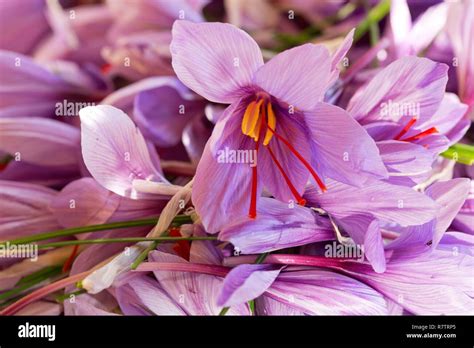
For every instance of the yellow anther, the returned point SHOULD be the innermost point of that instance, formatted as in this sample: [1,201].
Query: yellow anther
[250,121]
[271,121]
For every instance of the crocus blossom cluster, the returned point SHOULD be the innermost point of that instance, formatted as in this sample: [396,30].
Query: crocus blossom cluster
[155,162]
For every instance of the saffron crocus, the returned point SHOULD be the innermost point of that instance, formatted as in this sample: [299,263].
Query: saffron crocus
[277,111]
[407,112]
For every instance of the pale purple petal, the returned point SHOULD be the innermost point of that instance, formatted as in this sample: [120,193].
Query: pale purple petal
[387,202]
[291,76]
[195,293]
[84,202]
[212,177]
[163,112]
[290,127]
[413,82]
[365,231]
[277,226]
[320,292]
[37,140]
[115,151]
[25,209]
[342,149]
[246,282]
[228,58]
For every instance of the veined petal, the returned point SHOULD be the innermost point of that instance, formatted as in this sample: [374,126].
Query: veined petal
[410,83]
[342,149]
[216,169]
[298,76]
[162,113]
[289,127]
[246,282]
[365,231]
[84,202]
[195,293]
[115,151]
[216,60]
[389,203]
[321,292]
[277,226]
[37,141]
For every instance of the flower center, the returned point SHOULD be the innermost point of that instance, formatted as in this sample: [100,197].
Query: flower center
[259,122]
[254,119]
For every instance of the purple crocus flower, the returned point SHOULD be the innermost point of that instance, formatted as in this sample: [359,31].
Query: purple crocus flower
[282,119]
[409,115]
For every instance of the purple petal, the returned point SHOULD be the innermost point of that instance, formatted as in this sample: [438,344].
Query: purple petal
[18,17]
[296,69]
[424,284]
[289,127]
[277,226]
[450,195]
[342,149]
[195,293]
[147,295]
[228,58]
[162,113]
[365,230]
[115,151]
[413,82]
[450,119]
[84,202]
[319,292]
[37,140]
[212,177]
[387,202]
[406,163]
[246,282]
[25,209]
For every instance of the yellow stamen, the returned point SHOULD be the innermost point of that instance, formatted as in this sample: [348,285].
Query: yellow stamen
[271,121]
[251,118]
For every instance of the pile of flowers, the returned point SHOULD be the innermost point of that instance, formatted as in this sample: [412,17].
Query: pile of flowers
[236,157]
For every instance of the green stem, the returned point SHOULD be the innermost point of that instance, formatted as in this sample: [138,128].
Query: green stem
[32,282]
[93,228]
[224,311]
[143,255]
[121,240]
[261,258]
[461,153]
[38,274]
[375,15]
